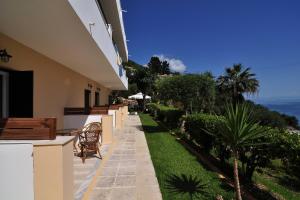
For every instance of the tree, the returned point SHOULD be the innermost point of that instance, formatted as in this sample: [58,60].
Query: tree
[131,67]
[165,67]
[144,81]
[155,65]
[237,81]
[191,92]
[238,132]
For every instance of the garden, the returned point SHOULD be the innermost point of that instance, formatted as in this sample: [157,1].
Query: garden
[207,141]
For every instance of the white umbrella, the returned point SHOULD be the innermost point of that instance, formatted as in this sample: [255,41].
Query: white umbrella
[138,96]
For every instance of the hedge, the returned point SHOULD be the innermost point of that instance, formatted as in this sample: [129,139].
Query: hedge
[196,124]
[170,116]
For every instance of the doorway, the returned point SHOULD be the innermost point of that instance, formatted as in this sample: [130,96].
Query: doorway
[87,101]
[16,94]
[97,99]
[20,96]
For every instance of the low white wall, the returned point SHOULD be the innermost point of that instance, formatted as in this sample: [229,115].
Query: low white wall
[79,121]
[16,171]
[113,113]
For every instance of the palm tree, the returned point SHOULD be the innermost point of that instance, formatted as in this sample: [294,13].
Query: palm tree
[238,81]
[239,131]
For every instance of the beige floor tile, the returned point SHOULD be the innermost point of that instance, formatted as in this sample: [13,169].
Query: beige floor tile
[101,194]
[123,194]
[147,180]
[148,193]
[125,181]
[127,171]
[105,181]
[109,171]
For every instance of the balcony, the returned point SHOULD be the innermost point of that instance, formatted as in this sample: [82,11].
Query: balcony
[76,36]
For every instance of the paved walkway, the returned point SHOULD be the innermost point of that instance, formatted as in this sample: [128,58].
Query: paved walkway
[84,172]
[126,172]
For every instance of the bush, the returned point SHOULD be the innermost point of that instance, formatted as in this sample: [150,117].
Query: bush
[192,92]
[151,108]
[196,124]
[287,148]
[267,117]
[170,116]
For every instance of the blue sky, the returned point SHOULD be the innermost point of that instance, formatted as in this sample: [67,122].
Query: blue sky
[209,35]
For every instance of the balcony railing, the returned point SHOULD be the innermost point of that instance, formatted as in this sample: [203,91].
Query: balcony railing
[28,129]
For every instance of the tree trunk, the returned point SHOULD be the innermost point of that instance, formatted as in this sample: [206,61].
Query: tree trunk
[236,177]
[144,100]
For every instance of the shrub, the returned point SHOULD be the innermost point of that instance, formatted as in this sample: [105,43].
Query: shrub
[196,124]
[152,108]
[193,92]
[266,117]
[170,116]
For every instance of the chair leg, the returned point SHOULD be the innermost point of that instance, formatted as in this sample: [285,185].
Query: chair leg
[84,157]
[82,154]
[99,152]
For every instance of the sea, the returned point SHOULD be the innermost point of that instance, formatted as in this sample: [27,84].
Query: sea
[290,106]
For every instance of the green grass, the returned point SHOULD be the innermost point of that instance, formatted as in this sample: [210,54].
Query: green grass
[171,159]
[278,181]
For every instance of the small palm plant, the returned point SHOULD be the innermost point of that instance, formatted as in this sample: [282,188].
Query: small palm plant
[193,186]
[239,131]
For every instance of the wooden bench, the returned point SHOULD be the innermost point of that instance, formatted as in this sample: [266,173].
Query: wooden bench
[28,129]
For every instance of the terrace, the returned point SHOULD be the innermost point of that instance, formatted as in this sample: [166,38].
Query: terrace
[57,172]
[126,171]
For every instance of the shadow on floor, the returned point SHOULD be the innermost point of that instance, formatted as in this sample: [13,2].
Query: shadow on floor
[186,185]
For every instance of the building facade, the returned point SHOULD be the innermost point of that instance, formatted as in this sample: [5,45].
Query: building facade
[65,53]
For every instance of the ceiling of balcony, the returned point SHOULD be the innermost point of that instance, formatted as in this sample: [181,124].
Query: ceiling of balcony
[53,29]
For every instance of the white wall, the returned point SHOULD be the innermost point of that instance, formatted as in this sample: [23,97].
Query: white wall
[16,171]
[79,121]
[89,13]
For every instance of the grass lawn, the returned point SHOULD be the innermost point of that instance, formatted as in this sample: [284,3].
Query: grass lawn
[179,173]
[278,182]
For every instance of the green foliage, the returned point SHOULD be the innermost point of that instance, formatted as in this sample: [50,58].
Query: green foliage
[239,129]
[260,155]
[168,115]
[291,121]
[237,81]
[196,124]
[274,119]
[131,67]
[287,146]
[165,67]
[144,81]
[157,66]
[192,92]
[171,159]
[265,117]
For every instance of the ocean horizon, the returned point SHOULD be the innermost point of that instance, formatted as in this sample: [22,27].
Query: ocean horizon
[289,106]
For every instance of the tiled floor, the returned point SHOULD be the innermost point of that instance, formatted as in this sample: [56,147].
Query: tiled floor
[128,173]
[84,172]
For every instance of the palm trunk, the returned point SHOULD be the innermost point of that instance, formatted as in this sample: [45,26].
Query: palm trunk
[236,177]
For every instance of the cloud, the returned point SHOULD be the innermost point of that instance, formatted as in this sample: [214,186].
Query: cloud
[176,65]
